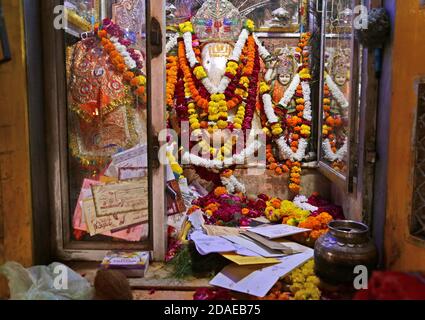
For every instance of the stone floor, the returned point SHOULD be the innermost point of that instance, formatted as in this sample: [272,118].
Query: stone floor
[156,285]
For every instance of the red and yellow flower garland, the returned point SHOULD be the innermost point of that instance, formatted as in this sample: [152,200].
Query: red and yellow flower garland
[296,127]
[134,76]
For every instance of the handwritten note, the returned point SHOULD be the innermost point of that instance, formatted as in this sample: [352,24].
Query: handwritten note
[121,197]
[133,233]
[100,225]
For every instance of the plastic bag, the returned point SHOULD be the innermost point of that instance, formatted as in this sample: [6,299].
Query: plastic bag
[53,282]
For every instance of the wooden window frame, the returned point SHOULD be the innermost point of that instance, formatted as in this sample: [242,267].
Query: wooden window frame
[62,246]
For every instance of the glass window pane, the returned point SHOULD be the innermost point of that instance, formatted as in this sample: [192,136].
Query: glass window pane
[272,15]
[107,120]
[337,85]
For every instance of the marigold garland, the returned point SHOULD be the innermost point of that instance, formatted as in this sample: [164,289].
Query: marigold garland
[292,130]
[125,59]
[334,148]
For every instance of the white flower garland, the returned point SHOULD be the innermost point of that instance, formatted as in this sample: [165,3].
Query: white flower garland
[282,143]
[264,53]
[172,43]
[196,160]
[233,185]
[307,101]
[190,53]
[290,92]
[225,81]
[336,92]
[122,49]
[302,203]
[332,156]
[286,151]
[268,109]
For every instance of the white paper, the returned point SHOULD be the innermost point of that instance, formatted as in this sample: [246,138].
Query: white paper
[277,231]
[211,244]
[169,173]
[132,173]
[258,282]
[197,220]
[253,247]
[132,158]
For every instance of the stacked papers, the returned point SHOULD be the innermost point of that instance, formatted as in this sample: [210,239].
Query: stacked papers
[259,260]
[258,282]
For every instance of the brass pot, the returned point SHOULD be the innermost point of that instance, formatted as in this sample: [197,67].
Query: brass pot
[345,246]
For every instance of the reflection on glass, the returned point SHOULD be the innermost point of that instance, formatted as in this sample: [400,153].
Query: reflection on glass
[107,122]
[337,86]
[272,15]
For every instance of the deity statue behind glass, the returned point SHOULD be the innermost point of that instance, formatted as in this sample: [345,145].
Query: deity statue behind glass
[338,68]
[104,116]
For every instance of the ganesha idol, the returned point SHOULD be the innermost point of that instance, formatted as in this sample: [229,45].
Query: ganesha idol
[217,31]
[215,84]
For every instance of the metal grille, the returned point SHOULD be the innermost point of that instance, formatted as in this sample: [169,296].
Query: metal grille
[417,227]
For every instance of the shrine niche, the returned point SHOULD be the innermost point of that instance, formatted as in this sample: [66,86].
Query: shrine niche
[281,108]
[222,119]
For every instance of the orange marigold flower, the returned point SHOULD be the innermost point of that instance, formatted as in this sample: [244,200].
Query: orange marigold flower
[276,203]
[245,211]
[227,173]
[140,91]
[193,209]
[273,166]
[102,34]
[128,75]
[219,191]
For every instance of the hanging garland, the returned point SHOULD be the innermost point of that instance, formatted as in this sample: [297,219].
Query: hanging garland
[126,60]
[335,142]
[292,142]
[206,106]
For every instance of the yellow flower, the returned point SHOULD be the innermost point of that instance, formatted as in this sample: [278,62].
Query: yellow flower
[141,80]
[186,27]
[237,120]
[264,87]
[200,72]
[305,74]
[195,125]
[176,168]
[249,25]
[222,124]
[277,131]
[244,81]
